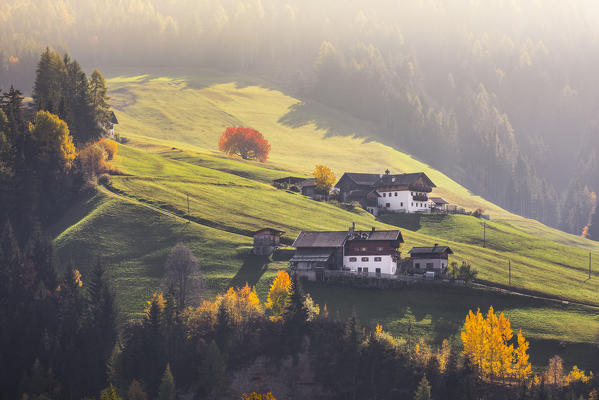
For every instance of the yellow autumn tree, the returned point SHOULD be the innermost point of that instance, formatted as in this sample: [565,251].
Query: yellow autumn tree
[53,139]
[278,295]
[486,346]
[325,178]
[522,367]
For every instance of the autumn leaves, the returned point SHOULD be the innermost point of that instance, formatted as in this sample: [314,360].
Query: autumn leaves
[487,347]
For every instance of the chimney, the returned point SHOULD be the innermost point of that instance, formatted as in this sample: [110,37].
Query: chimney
[353,227]
[373,229]
[436,244]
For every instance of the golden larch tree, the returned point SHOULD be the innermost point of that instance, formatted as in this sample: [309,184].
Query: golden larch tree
[487,347]
[278,295]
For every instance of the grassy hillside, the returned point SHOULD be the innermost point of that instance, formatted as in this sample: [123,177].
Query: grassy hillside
[173,126]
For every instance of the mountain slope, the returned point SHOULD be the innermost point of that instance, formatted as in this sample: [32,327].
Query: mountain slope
[173,126]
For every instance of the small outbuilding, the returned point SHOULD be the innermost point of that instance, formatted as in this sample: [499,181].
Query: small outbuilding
[266,241]
[430,259]
[113,121]
[438,204]
[289,182]
[309,189]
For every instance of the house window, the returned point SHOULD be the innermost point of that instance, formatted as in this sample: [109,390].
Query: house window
[429,266]
[378,270]
[353,259]
[388,205]
[395,194]
[364,269]
[359,269]
[401,203]
[364,258]
[412,204]
[377,259]
[384,194]
[417,265]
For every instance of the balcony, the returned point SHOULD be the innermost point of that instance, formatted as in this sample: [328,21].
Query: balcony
[420,197]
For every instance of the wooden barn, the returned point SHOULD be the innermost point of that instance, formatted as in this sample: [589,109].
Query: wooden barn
[266,241]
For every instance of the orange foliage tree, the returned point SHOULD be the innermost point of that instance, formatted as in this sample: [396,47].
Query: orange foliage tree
[278,295]
[325,178]
[246,143]
[486,346]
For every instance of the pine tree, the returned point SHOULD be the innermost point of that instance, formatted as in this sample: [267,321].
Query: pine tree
[99,98]
[167,385]
[100,331]
[50,76]
[212,370]
[295,317]
[423,392]
[110,393]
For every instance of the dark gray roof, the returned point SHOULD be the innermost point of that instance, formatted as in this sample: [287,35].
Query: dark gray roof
[361,178]
[268,229]
[289,179]
[330,239]
[402,179]
[320,239]
[438,200]
[377,235]
[113,119]
[312,254]
[430,250]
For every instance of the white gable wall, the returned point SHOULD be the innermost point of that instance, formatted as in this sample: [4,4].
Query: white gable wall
[401,201]
[386,263]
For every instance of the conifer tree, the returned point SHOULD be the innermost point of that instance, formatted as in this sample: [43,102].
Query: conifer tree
[100,321]
[212,370]
[423,392]
[295,317]
[99,98]
[110,393]
[167,385]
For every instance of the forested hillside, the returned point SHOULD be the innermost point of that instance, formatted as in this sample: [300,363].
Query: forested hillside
[491,93]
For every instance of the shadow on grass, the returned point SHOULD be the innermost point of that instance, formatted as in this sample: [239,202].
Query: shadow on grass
[251,271]
[334,122]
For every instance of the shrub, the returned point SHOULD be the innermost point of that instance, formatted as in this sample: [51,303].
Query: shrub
[110,147]
[104,179]
[92,159]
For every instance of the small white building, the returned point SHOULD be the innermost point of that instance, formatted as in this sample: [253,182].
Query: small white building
[427,259]
[404,193]
[111,124]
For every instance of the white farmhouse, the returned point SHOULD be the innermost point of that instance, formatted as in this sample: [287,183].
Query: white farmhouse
[404,192]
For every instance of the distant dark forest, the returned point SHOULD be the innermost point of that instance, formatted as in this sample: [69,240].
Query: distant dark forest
[499,95]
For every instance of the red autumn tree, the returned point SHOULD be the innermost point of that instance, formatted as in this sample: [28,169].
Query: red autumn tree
[246,143]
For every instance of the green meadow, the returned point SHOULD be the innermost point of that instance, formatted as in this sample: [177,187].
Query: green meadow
[173,125]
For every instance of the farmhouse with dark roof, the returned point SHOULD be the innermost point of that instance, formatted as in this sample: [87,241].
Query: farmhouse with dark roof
[387,192]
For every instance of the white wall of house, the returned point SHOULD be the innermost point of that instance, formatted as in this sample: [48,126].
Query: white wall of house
[420,264]
[402,201]
[386,263]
